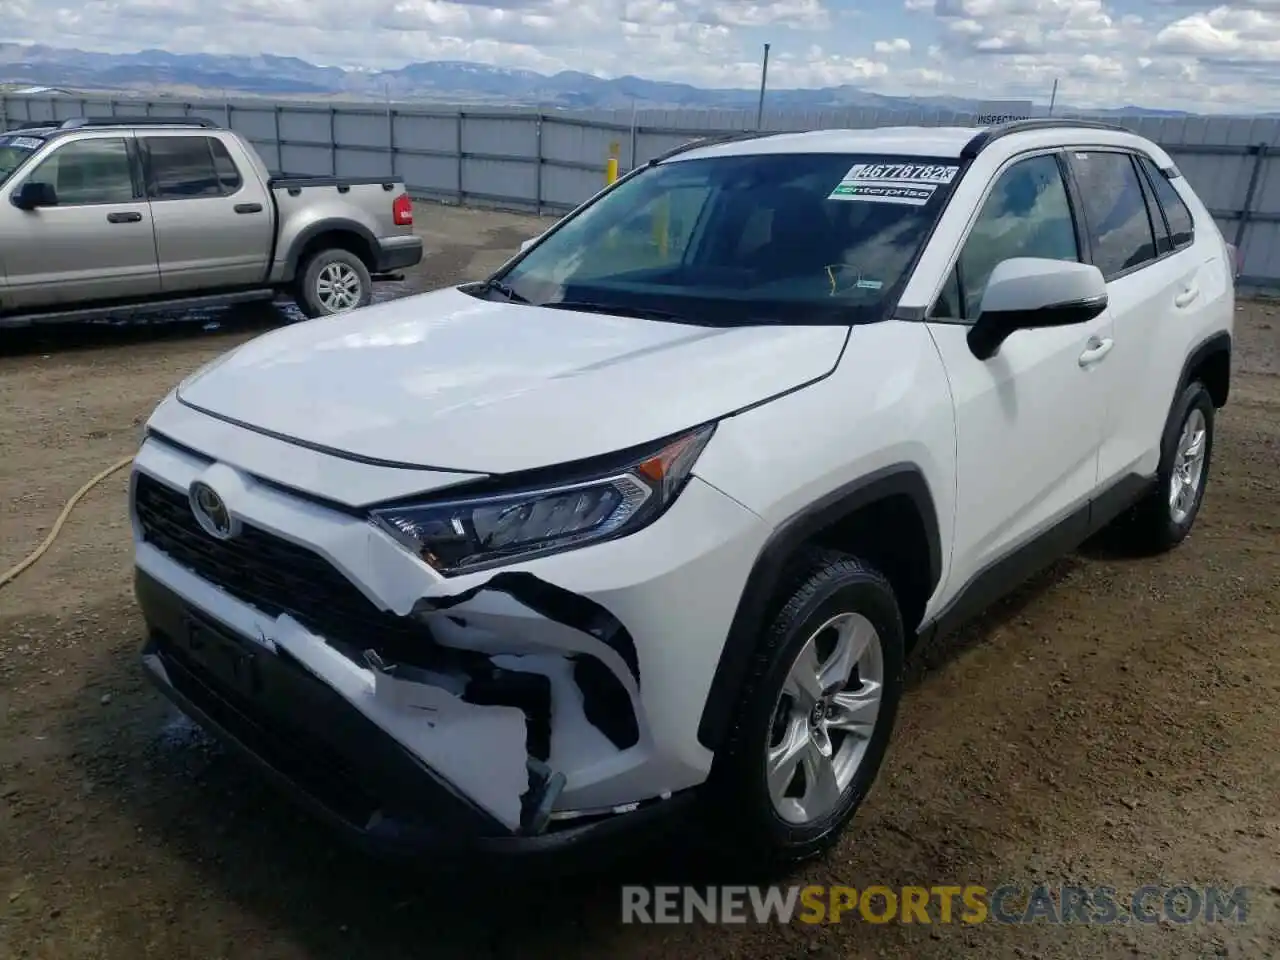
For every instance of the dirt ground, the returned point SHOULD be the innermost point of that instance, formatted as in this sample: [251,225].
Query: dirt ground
[1115,723]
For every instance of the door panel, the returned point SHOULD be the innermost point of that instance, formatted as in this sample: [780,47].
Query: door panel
[1029,420]
[1152,332]
[213,221]
[1028,428]
[97,243]
[1157,311]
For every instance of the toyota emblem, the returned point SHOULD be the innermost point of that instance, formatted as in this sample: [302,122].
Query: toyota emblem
[211,512]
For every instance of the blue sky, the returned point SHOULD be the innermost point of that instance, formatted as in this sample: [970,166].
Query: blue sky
[1178,53]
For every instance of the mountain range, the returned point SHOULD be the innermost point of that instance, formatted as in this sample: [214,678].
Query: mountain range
[159,71]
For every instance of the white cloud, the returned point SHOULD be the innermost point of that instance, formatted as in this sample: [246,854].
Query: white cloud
[1187,53]
[1224,32]
[896,45]
[1165,55]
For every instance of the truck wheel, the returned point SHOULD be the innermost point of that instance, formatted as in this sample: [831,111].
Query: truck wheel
[816,716]
[1162,519]
[333,281]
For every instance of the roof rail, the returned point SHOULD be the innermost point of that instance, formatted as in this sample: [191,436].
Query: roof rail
[36,125]
[76,123]
[986,137]
[711,141]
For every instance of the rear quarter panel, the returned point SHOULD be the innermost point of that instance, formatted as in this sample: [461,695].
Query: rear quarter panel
[368,206]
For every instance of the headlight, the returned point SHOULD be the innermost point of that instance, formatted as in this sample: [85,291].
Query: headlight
[463,535]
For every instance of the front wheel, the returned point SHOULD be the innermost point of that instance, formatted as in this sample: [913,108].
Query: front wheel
[816,718]
[333,281]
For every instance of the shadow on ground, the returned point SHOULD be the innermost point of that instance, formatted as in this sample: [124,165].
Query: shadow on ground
[176,327]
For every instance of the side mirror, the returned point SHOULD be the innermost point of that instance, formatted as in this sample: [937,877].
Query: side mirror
[33,194]
[1025,293]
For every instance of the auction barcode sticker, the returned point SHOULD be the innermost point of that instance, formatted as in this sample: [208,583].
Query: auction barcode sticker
[907,183]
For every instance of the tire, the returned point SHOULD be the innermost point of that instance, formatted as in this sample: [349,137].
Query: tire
[316,294]
[744,813]
[1157,523]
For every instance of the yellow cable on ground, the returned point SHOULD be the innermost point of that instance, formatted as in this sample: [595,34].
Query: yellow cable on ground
[62,518]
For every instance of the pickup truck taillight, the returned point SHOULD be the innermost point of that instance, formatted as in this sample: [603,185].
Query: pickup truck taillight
[402,211]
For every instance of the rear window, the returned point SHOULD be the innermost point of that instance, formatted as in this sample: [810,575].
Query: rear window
[185,168]
[1115,209]
[1181,226]
[14,150]
[746,239]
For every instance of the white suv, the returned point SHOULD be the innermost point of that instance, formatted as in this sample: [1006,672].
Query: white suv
[647,521]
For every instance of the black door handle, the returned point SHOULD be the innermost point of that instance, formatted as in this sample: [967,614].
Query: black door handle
[124,218]
[248,208]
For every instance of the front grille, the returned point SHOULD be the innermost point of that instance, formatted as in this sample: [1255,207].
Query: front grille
[276,577]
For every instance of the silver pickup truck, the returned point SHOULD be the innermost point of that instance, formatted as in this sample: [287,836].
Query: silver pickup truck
[108,215]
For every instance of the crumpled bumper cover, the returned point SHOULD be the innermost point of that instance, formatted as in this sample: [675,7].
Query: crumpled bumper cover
[336,761]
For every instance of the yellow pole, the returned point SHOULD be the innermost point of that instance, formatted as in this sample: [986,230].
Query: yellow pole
[611,168]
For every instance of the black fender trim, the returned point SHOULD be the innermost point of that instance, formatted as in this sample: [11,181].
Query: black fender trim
[731,672]
[330,225]
[1219,342]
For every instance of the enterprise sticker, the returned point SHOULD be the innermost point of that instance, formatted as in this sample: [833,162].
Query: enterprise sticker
[912,184]
[24,143]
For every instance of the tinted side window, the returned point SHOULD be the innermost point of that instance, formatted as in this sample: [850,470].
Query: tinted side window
[1027,214]
[182,167]
[228,175]
[1114,210]
[948,306]
[1181,226]
[1163,242]
[88,171]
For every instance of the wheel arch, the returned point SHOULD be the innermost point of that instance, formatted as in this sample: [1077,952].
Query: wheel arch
[330,234]
[1210,363]
[852,515]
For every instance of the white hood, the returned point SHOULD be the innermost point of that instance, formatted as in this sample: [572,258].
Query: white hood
[450,381]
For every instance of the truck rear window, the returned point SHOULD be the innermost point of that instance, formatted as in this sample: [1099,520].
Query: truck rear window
[185,167]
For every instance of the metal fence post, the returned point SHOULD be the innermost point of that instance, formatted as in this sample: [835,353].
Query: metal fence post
[461,156]
[275,126]
[391,139]
[111,105]
[634,138]
[538,163]
[4,112]
[333,141]
[1259,158]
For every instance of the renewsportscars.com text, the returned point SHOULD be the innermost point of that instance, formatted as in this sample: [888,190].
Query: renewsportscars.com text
[942,904]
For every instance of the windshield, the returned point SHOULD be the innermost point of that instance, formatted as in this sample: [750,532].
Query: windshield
[773,238]
[13,151]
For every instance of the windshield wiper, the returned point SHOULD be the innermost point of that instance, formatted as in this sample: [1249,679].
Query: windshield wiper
[494,285]
[644,313]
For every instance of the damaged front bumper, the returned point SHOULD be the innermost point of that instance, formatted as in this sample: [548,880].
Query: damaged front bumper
[547,701]
[340,764]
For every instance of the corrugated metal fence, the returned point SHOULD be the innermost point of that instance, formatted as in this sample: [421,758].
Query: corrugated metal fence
[529,159]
